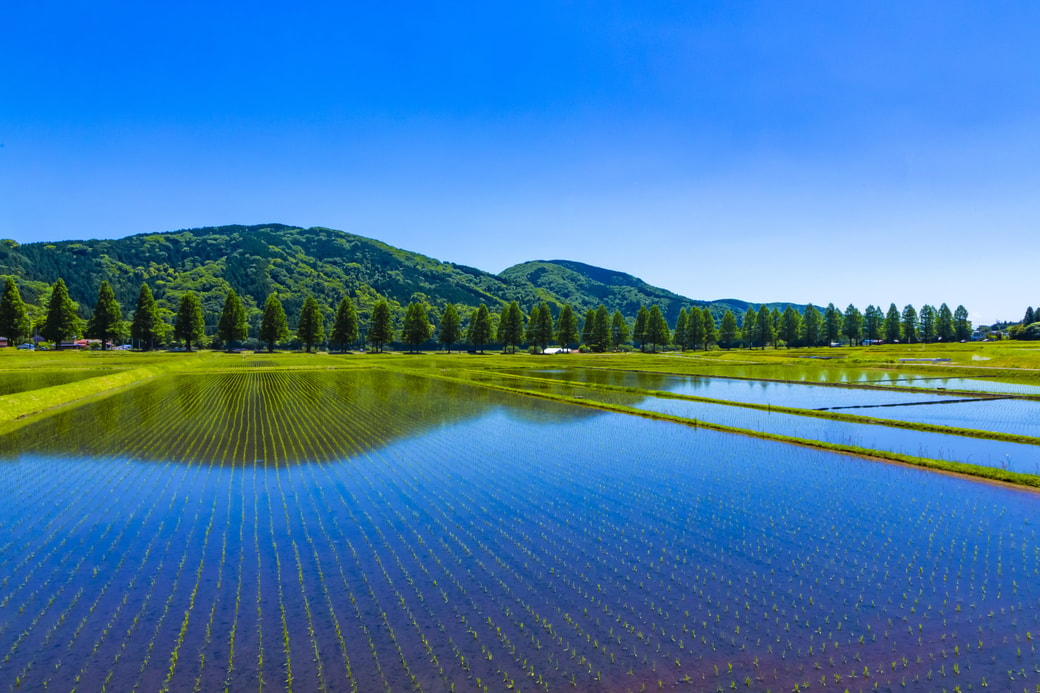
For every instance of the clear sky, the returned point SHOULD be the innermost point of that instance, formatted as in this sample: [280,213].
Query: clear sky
[863,152]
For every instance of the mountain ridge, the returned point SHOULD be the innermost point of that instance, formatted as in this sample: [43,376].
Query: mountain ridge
[255,260]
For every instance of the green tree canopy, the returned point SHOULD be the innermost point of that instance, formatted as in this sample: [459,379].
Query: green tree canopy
[790,326]
[764,327]
[14,316]
[832,323]
[61,322]
[694,329]
[567,327]
[852,325]
[588,327]
[145,327]
[639,331]
[232,326]
[381,327]
[682,328]
[812,326]
[657,332]
[618,330]
[927,321]
[311,327]
[711,335]
[105,320]
[274,327]
[749,328]
[944,324]
[540,326]
[345,328]
[479,333]
[417,329]
[873,321]
[893,327]
[601,329]
[450,329]
[728,332]
[190,326]
[961,324]
[911,334]
[511,326]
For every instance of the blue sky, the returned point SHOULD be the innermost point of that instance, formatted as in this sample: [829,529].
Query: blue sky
[840,152]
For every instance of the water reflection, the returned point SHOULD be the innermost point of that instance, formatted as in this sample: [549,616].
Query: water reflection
[270,417]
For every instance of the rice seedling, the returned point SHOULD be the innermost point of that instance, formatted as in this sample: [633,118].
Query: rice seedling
[261,527]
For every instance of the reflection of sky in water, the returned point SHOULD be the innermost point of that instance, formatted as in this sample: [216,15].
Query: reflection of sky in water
[1012,416]
[611,551]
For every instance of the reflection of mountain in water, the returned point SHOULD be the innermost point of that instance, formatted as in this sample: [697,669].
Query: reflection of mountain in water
[278,417]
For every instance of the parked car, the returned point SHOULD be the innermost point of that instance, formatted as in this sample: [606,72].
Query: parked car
[30,347]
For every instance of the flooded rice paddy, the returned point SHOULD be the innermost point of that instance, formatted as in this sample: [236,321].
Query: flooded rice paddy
[373,531]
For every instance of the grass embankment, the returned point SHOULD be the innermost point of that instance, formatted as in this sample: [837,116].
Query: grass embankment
[1007,360]
[956,468]
[18,409]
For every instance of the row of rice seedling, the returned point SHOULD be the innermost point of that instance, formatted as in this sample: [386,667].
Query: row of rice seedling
[535,547]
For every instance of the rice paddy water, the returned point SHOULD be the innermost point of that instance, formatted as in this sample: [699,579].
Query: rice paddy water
[376,531]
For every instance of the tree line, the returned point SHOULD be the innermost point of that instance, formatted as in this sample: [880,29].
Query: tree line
[510,327]
[1029,328]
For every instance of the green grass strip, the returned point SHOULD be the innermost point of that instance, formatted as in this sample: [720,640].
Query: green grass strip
[17,409]
[958,468]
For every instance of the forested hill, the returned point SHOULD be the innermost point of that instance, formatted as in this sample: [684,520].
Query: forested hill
[585,286]
[256,260]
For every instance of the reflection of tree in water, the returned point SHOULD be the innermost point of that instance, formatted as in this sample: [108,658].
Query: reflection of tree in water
[274,416]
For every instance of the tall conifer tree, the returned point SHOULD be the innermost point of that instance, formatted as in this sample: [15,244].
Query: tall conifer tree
[381,327]
[893,327]
[601,329]
[567,327]
[911,333]
[449,331]
[479,333]
[657,332]
[14,316]
[764,328]
[961,324]
[231,327]
[728,331]
[811,326]
[310,328]
[682,327]
[711,335]
[639,331]
[104,321]
[191,325]
[618,330]
[345,328]
[61,321]
[694,328]
[145,326]
[274,327]
[511,326]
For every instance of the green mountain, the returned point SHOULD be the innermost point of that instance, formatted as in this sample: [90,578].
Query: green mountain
[585,286]
[325,263]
